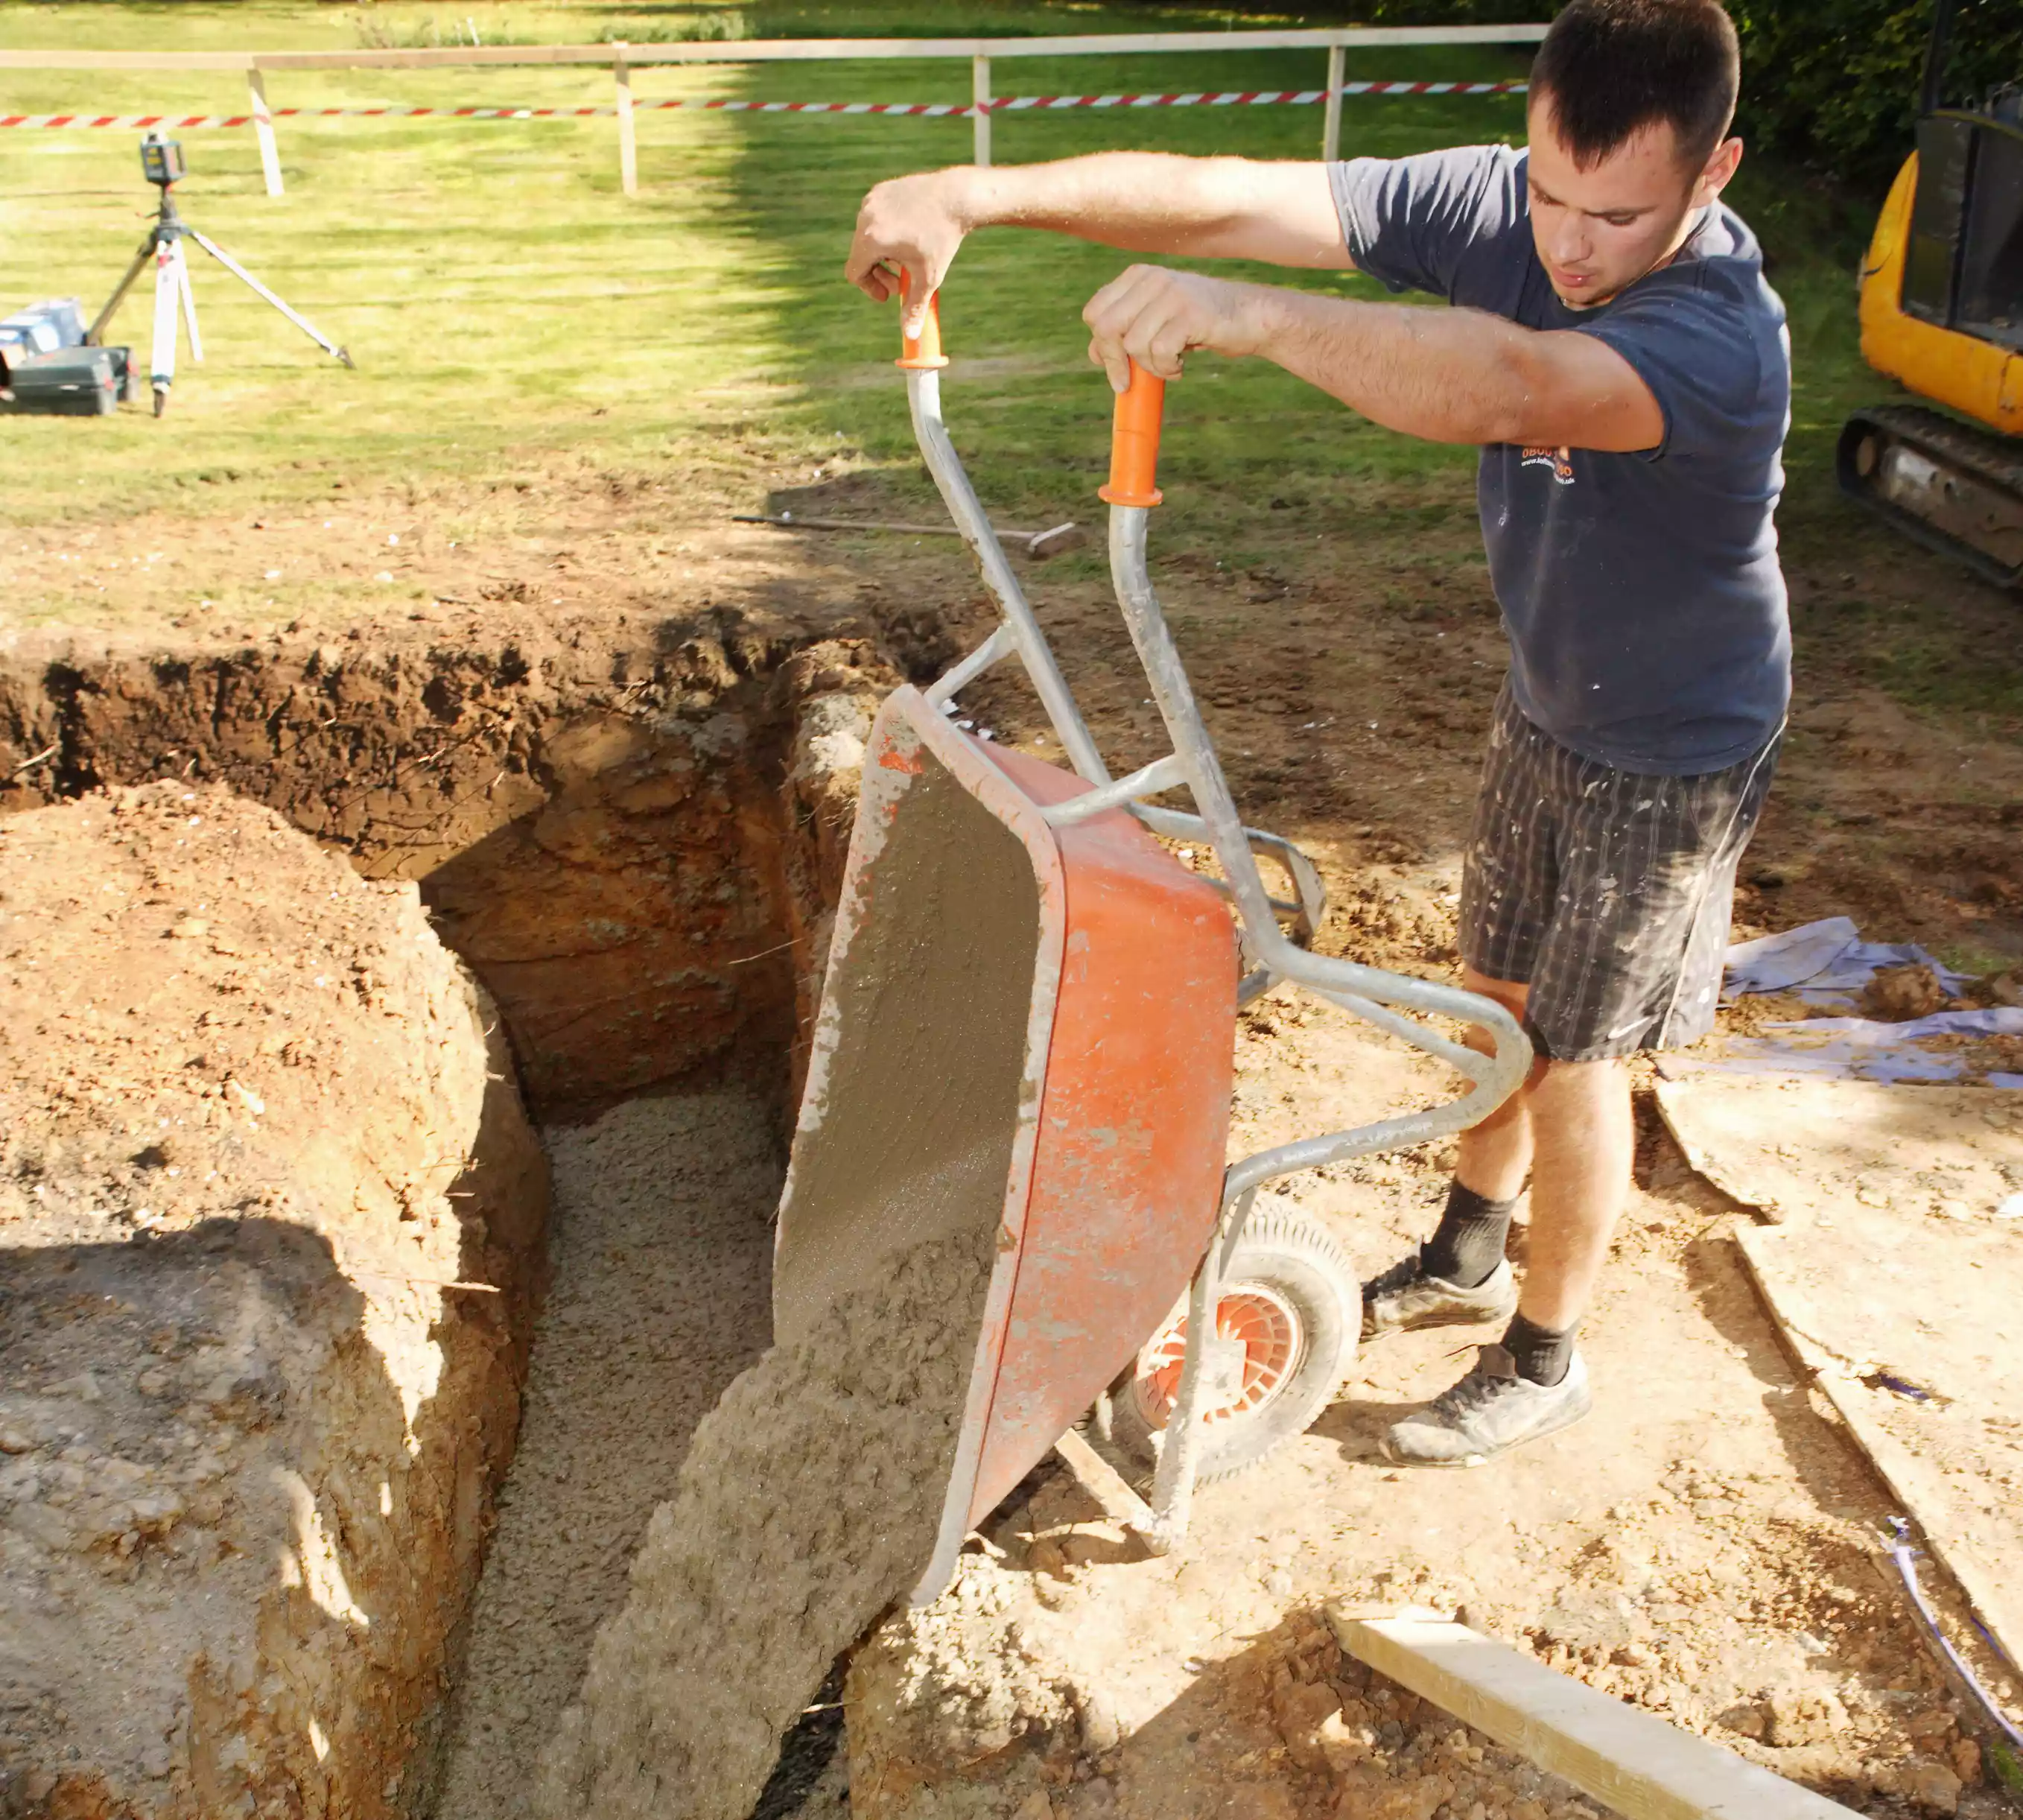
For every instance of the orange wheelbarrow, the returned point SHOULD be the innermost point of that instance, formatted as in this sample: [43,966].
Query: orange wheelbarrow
[1028,1018]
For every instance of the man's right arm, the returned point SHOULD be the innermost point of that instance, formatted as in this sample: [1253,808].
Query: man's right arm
[1282,213]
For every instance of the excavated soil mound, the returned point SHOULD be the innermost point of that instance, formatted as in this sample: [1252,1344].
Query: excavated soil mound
[808,1502]
[270,1220]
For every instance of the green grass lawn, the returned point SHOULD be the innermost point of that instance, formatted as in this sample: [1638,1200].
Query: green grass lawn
[503,300]
[510,310]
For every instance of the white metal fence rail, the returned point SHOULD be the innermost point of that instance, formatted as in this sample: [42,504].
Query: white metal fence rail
[622,59]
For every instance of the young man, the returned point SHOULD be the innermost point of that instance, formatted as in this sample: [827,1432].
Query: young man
[1615,351]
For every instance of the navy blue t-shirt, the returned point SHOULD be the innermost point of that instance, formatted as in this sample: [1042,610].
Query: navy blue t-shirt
[1642,594]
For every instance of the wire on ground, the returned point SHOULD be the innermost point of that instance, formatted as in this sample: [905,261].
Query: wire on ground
[949,110]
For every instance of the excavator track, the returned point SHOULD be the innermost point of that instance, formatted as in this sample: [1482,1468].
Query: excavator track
[1955,489]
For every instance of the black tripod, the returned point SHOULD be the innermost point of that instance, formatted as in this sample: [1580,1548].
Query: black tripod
[161,163]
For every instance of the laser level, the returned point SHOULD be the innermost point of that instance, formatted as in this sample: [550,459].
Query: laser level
[162,164]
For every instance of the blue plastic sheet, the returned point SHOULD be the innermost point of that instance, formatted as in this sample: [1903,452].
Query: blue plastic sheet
[1827,964]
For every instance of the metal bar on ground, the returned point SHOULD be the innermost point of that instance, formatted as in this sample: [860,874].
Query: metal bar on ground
[1047,543]
[1331,121]
[979,100]
[1633,1762]
[629,144]
[263,128]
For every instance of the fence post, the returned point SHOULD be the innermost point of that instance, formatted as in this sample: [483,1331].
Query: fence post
[628,146]
[979,94]
[263,129]
[1331,114]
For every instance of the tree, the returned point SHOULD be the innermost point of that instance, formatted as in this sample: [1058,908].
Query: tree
[1830,84]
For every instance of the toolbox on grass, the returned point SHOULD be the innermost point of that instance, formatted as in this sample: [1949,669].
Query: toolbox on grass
[72,382]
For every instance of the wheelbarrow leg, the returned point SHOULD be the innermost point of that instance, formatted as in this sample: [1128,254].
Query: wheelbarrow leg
[1173,1484]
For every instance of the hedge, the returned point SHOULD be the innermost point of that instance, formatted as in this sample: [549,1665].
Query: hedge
[1830,84]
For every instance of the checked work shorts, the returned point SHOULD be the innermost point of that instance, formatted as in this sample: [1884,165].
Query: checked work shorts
[1608,892]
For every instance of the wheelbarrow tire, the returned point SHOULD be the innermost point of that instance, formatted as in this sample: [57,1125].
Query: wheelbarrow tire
[1294,1262]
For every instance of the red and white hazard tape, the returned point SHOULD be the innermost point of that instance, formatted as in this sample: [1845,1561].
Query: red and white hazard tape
[1253,98]
[1009,104]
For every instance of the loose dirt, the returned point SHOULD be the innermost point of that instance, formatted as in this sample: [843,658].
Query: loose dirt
[660,1248]
[808,1502]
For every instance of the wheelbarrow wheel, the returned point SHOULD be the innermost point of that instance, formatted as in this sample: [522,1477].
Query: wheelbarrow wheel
[1287,1323]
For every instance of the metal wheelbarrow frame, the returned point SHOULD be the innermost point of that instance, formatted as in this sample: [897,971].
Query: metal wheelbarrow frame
[1090,1117]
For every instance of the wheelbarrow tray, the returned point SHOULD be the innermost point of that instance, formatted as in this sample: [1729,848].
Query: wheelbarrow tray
[1023,1026]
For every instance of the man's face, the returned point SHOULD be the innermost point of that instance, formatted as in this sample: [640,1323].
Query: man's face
[1601,230]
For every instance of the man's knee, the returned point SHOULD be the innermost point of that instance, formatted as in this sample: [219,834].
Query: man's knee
[1512,995]
[1588,1086]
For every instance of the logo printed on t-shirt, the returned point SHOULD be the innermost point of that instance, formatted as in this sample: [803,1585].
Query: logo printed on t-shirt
[1559,460]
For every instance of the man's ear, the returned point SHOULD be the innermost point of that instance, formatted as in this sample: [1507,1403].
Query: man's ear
[1717,172]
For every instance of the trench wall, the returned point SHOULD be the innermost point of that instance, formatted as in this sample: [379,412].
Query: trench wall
[635,843]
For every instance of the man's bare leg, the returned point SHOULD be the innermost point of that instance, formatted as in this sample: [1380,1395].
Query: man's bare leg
[1584,1136]
[1496,1154]
[1571,1129]
[1458,1277]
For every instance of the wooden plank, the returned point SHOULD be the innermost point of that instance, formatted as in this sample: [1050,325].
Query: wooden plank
[1105,44]
[1633,1762]
[263,127]
[784,50]
[467,56]
[628,139]
[148,60]
[1799,1148]
[778,50]
[979,97]
[816,50]
[1131,43]
[1908,1479]
[1338,71]
[1103,1483]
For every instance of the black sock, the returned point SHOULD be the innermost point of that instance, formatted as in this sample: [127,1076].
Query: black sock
[1468,1244]
[1542,1355]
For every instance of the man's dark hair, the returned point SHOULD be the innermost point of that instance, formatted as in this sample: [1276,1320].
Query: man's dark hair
[1614,67]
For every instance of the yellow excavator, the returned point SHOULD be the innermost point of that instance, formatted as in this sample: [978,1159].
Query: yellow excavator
[1942,313]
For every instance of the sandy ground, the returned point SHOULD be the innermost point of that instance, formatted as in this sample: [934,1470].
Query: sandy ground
[1704,1546]
[661,1248]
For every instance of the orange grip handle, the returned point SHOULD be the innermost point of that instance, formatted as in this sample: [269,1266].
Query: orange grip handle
[920,353]
[1134,442]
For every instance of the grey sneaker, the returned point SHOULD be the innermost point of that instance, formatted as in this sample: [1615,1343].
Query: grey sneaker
[1488,1412]
[1405,1297]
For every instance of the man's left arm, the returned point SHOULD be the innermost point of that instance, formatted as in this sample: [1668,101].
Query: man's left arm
[1446,375]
